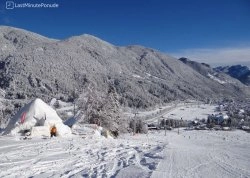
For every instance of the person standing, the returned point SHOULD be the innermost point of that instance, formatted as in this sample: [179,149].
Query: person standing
[53,131]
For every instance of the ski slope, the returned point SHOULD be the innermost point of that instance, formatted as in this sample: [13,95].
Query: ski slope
[77,156]
[205,154]
[189,154]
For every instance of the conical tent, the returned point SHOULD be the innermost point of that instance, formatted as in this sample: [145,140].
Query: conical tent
[37,116]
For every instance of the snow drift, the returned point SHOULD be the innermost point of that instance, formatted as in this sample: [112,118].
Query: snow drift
[38,118]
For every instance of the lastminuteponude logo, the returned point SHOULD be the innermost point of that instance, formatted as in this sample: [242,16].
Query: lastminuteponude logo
[13,5]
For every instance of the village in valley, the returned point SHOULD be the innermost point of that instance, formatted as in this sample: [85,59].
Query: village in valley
[193,115]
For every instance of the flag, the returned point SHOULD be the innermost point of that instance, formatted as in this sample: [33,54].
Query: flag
[23,117]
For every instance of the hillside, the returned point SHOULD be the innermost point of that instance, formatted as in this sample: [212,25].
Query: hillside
[35,66]
[212,73]
[242,73]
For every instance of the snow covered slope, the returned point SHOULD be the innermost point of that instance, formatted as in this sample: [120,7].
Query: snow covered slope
[192,112]
[78,157]
[202,154]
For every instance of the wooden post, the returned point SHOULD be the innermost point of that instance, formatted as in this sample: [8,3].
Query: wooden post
[165,127]
[135,122]
[74,101]
[74,109]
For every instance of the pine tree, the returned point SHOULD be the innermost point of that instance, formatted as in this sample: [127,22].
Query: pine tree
[57,104]
[110,113]
[102,109]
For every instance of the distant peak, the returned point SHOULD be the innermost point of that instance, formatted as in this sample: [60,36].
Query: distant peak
[184,59]
[89,36]
[89,39]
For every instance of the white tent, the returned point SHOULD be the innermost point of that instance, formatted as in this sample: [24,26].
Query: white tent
[37,118]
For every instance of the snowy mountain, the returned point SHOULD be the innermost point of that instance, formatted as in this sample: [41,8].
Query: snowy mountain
[202,68]
[35,66]
[207,71]
[242,73]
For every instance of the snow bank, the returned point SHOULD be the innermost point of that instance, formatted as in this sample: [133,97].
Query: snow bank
[40,131]
[36,113]
[87,129]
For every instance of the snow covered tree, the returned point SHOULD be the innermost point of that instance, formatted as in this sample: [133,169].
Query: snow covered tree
[102,109]
[132,125]
[138,126]
[90,105]
[110,113]
[57,104]
[163,123]
[145,128]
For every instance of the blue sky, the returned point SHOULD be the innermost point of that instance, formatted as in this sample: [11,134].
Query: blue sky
[192,28]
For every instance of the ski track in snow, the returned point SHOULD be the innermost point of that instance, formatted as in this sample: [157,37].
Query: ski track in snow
[190,154]
[74,157]
[205,154]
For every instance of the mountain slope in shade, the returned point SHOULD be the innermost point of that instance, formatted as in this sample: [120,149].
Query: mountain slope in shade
[242,73]
[35,66]
[205,70]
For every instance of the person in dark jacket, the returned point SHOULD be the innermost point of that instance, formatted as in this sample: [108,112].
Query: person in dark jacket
[53,131]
